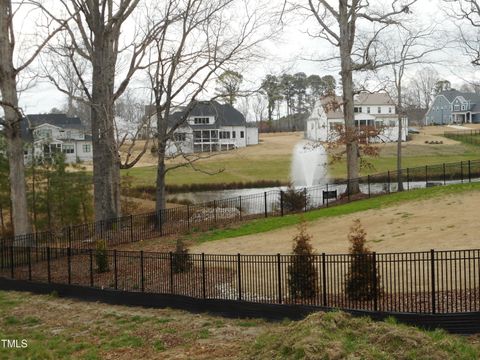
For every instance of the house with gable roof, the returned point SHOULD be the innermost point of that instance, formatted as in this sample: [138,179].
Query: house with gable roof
[454,107]
[47,134]
[371,110]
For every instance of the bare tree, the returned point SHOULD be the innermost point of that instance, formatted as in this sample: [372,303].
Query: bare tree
[338,25]
[404,48]
[13,115]
[131,123]
[97,38]
[186,55]
[423,84]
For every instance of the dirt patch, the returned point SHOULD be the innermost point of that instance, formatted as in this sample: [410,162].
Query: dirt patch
[444,223]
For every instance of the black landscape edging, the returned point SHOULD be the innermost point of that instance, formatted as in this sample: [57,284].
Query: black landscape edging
[458,323]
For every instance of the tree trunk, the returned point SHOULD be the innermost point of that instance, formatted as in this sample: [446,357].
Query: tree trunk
[106,161]
[161,152]
[350,129]
[8,88]
[399,140]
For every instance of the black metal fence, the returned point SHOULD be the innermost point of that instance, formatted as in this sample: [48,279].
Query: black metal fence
[414,282]
[466,136]
[266,204]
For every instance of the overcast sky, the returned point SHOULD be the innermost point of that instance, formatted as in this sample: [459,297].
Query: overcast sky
[289,53]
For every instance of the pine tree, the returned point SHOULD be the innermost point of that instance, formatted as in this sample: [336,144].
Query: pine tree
[360,281]
[302,274]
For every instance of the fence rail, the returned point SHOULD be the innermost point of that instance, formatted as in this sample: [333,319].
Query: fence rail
[204,216]
[430,282]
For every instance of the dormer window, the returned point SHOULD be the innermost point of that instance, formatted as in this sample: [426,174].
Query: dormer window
[201,121]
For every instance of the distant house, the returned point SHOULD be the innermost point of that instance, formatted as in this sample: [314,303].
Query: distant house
[46,134]
[454,107]
[371,110]
[210,126]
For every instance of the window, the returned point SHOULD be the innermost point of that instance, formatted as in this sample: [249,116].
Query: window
[86,148]
[68,149]
[44,133]
[456,107]
[234,134]
[389,110]
[379,109]
[392,123]
[180,136]
[242,134]
[201,120]
[357,109]
[224,134]
[368,110]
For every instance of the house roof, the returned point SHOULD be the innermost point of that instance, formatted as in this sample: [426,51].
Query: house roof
[225,114]
[332,106]
[59,120]
[378,98]
[451,94]
[62,121]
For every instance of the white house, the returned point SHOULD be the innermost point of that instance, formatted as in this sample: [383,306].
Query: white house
[209,126]
[46,134]
[375,110]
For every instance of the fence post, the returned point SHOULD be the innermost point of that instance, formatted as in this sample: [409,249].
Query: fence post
[188,217]
[239,277]
[142,277]
[240,206]
[432,279]
[279,270]
[69,261]
[324,280]
[444,175]
[131,228]
[323,200]
[29,263]
[426,175]
[305,196]
[388,178]
[348,190]
[91,266]
[469,172]
[70,236]
[375,285]
[171,272]
[215,211]
[265,200]
[101,229]
[281,202]
[115,271]
[368,183]
[461,170]
[11,262]
[48,265]
[203,276]
[408,178]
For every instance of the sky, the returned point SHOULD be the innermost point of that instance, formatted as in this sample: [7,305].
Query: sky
[290,52]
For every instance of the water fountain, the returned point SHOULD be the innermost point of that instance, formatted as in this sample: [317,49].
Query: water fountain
[309,165]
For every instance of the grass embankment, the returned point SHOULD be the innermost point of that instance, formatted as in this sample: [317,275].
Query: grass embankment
[249,166]
[67,329]
[269,224]
[234,169]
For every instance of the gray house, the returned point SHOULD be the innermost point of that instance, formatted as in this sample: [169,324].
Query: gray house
[454,107]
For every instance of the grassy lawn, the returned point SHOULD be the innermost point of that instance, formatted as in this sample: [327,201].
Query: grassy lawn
[269,224]
[251,165]
[233,169]
[58,328]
